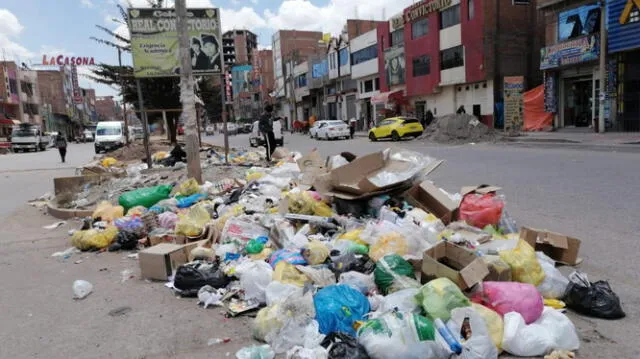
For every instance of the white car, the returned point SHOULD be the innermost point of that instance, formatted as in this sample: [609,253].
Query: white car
[257,139]
[209,131]
[329,130]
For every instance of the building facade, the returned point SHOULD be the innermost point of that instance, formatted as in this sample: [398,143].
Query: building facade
[238,47]
[10,109]
[106,108]
[365,71]
[262,78]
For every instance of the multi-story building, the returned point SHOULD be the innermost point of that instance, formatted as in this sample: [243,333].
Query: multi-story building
[10,111]
[238,47]
[241,89]
[317,79]
[301,91]
[56,96]
[365,71]
[262,78]
[29,97]
[88,106]
[106,108]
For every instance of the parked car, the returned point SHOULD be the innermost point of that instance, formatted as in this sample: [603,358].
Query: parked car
[257,139]
[87,136]
[137,133]
[209,130]
[329,130]
[396,128]
[246,128]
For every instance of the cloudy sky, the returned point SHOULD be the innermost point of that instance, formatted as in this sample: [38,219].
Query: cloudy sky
[31,28]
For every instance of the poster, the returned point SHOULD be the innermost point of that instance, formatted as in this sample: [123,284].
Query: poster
[394,65]
[513,90]
[77,96]
[570,52]
[584,20]
[240,79]
[154,42]
[550,92]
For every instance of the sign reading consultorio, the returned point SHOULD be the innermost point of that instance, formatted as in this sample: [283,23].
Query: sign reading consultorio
[424,8]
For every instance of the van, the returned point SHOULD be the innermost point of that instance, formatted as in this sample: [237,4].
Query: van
[256,139]
[109,136]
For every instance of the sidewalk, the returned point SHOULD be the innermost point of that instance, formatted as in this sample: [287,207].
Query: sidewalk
[580,139]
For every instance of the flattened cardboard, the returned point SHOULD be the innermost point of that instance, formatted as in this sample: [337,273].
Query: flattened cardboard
[159,262]
[465,268]
[482,189]
[431,199]
[559,247]
[311,166]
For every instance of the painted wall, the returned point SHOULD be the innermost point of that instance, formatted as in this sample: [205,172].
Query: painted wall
[472,32]
[624,31]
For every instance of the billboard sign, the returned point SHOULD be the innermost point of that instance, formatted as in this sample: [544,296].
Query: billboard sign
[394,65]
[320,69]
[77,95]
[583,20]
[154,42]
[240,79]
[570,52]
[623,25]
[513,105]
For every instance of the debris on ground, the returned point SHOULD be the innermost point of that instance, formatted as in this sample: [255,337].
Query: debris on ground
[458,129]
[369,259]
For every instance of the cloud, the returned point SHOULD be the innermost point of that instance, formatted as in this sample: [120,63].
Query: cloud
[244,18]
[86,3]
[10,28]
[254,2]
[9,24]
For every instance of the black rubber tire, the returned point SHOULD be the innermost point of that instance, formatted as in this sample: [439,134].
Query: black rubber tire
[372,137]
[395,136]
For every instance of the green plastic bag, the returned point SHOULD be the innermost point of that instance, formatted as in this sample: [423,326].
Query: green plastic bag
[146,197]
[439,297]
[254,247]
[393,273]
[399,335]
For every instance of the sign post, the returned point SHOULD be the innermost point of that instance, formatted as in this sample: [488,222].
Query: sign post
[513,105]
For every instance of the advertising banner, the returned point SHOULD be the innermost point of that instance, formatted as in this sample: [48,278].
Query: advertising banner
[154,42]
[583,20]
[550,92]
[570,52]
[623,25]
[240,78]
[77,96]
[513,89]
[394,65]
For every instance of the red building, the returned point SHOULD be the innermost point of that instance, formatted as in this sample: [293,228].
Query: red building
[456,53]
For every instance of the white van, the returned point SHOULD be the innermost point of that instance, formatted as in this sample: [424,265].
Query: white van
[109,136]
[257,139]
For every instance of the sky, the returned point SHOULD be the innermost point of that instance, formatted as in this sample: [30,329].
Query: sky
[30,29]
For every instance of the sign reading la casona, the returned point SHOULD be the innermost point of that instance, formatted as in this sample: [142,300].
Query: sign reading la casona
[62,60]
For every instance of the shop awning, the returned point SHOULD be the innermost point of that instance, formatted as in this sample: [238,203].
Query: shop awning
[385,97]
[7,121]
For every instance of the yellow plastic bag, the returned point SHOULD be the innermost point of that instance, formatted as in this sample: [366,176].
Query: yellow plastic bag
[354,236]
[315,252]
[136,211]
[266,253]
[254,176]
[288,274]
[554,303]
[494,323]
[94,238]
[304,203]
[189,187]
[390,243]
[159,156]
[107,211]
[108,162]
[232,212]
[268,320]
[192,223]
[525,267]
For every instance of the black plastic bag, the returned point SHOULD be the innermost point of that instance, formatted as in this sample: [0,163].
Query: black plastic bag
[351,262]
[354,208]
[125,240]
[190,277]
[344,346]
[593,299]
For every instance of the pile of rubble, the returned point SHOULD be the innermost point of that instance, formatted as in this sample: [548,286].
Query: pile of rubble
[360,259]
[458,129]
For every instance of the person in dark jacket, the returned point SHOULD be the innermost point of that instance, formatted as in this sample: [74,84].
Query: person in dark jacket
[61,145]
[461,110]
[265,125]
[428,118]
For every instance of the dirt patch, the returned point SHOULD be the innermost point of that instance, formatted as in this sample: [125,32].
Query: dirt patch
[458,129]
[135,151]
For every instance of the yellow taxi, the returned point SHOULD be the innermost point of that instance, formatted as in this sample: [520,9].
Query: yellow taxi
[396,128]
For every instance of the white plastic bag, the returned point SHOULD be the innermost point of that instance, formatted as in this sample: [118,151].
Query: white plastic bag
[358,281]
[299,352]
[277,292]
[81,289]
[403,300]
[255,276]
[256,352]
[554,284]
[479,346]
[553,330]
[209,295]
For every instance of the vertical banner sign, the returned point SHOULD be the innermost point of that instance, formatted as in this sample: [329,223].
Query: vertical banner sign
[154,42]
[550,92]
[228,79]
[513,88]
[77,96]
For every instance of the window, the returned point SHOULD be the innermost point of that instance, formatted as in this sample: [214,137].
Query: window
[377,84]
[368,86]
[419,28]
[471,9]
[410,121]
[344,56]
[365,54]
[361,87]
[421,65]
[452,57]
[301,81]
[397,38]
[450,16]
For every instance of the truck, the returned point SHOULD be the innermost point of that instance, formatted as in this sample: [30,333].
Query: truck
[27,137]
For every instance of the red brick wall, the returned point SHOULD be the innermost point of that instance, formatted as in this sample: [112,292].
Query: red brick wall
[425,45]
[473,40]
[51,86]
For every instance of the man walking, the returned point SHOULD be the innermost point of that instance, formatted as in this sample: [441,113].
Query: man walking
[352,127]
[265,125]
[61,144]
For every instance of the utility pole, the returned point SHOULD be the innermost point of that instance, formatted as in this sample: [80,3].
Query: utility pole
[602,69]
[187,95]
[124,108]
[223,88]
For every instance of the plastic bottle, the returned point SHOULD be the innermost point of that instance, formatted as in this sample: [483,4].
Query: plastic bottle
[448,337]
[507,223]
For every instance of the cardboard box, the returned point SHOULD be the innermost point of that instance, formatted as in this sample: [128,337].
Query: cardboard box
[431,199]
[499,271]
[159,262]
[311,166]
[460,265]
[561,248]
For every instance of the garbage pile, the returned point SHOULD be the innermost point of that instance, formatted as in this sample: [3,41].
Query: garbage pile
[458,129]
[360,259]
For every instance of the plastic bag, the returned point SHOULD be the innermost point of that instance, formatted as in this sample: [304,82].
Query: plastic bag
[354,236]
[505,297]
[188,187]
[168,220]
[315,252]
[319,275]
[398,335]
[130,224]
[359,281]
[146,197]
[107,212]
[276,292]
[494,323]
[413,164]
[439,297]
[338,307]
[159,156]
[525,267]
[287,273]
[136,211]
[290,256]
[351,262]
[254,278]
[344,346]
[553,330]
[190,277]
[299,352]
[481,210]
[108,162]
[188,201]
[346,247]
[94,238]
[256,352]
[479,345]
[240,230]
[390,243]
[554,284]
[125,240]
[402,301]
[393,272]
[592,299]
[192,223]
[81,289]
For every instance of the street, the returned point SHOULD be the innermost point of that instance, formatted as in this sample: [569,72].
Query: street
[585,194]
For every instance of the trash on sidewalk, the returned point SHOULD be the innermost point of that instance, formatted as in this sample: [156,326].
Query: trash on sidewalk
[81,289]
[55,225]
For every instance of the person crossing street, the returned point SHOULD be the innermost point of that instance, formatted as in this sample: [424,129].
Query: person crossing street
[266,127]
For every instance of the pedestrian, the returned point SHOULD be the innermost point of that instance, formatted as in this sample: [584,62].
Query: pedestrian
[461,110]
[428,118]
[61,144]
[352,127]
[265,125]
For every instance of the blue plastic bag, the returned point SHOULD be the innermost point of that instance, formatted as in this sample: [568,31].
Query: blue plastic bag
[290,256]
[188,201]
[338,307]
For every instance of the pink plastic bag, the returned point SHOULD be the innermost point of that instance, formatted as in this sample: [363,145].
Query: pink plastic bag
[480,210]
[505,297]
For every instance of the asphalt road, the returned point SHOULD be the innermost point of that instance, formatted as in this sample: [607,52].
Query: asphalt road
[590,195]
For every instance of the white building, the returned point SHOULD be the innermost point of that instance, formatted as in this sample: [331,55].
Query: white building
[364,70]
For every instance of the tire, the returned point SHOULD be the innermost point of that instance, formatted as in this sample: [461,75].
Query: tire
[97,150]
[280,142]
[326,137]
[395,136]
[372,137]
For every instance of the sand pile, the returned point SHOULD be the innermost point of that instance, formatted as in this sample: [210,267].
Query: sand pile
[458,129]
